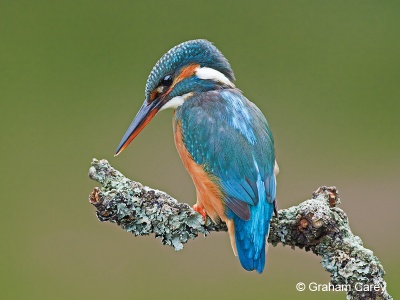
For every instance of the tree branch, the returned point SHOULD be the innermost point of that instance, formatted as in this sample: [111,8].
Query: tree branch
[315,224]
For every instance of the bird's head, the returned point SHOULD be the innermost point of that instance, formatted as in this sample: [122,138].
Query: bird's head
[191,67]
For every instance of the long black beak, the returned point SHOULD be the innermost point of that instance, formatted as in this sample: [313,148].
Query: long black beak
[143,117]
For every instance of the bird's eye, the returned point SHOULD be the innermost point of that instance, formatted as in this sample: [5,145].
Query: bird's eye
[167,81]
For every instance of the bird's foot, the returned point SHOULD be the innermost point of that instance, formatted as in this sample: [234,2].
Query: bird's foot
[201,211]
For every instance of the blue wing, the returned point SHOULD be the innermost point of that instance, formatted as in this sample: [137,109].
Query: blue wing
[230,137]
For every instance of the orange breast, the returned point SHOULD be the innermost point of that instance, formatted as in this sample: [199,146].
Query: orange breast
[209,195]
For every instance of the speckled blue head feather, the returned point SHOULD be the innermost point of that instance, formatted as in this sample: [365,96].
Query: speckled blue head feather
[200,52]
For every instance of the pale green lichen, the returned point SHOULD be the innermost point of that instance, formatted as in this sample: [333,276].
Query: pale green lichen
[316,225]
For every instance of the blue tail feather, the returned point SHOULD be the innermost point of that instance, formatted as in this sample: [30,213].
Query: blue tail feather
[251,235]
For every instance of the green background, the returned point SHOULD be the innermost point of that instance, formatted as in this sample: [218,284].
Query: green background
[72,74]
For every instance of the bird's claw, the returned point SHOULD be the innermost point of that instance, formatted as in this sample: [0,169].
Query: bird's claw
[201,211]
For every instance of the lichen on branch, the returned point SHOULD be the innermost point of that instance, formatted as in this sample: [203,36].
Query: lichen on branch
[316,225]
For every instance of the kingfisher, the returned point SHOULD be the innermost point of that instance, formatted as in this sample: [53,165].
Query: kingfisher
[223,139]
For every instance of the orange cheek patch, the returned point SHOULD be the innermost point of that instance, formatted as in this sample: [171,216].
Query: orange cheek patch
[186,72]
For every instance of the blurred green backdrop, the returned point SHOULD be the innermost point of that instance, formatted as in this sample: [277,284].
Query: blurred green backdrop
[72,75]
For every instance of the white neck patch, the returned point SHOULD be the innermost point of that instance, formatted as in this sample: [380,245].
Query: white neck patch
[176,101]
[212,74]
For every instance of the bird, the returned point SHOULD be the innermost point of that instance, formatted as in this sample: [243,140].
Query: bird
[223,139]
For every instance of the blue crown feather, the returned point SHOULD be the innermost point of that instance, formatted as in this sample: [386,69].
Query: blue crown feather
[201,52]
